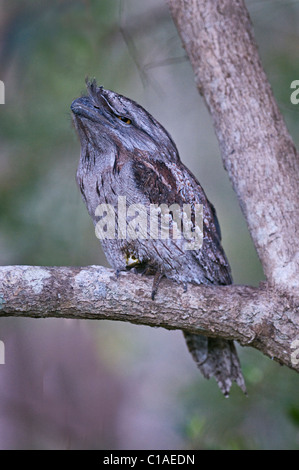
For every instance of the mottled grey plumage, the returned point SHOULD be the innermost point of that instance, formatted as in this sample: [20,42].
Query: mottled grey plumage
[126,152]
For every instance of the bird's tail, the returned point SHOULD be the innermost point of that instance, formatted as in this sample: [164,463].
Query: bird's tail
[216,357]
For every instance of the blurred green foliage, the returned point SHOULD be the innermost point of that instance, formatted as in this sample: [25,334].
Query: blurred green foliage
[46,51]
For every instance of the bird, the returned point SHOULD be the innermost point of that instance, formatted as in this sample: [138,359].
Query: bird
[127,155]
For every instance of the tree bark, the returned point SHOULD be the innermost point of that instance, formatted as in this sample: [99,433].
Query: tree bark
[258,317]
[256,148]
[263,166]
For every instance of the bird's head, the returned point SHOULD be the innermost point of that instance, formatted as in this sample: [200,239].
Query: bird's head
[108,122]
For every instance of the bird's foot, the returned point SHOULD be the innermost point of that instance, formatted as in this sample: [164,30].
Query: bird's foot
[117,272]
[157,279]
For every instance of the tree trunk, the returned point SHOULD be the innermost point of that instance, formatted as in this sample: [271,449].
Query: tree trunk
[257,150]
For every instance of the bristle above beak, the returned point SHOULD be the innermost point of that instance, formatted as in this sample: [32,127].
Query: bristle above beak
[91,85]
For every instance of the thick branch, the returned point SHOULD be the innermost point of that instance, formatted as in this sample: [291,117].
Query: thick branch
[256,147]
[261,318]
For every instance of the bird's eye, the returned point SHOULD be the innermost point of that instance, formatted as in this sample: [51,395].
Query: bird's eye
[125,119]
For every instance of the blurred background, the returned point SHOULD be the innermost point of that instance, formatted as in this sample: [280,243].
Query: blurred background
[71,384]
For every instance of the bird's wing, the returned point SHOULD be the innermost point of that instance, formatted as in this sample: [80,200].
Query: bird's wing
[172,183]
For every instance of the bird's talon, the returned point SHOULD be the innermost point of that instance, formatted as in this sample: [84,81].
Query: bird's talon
[117,272]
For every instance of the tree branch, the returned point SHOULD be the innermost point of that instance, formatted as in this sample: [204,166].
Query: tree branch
[257,317]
